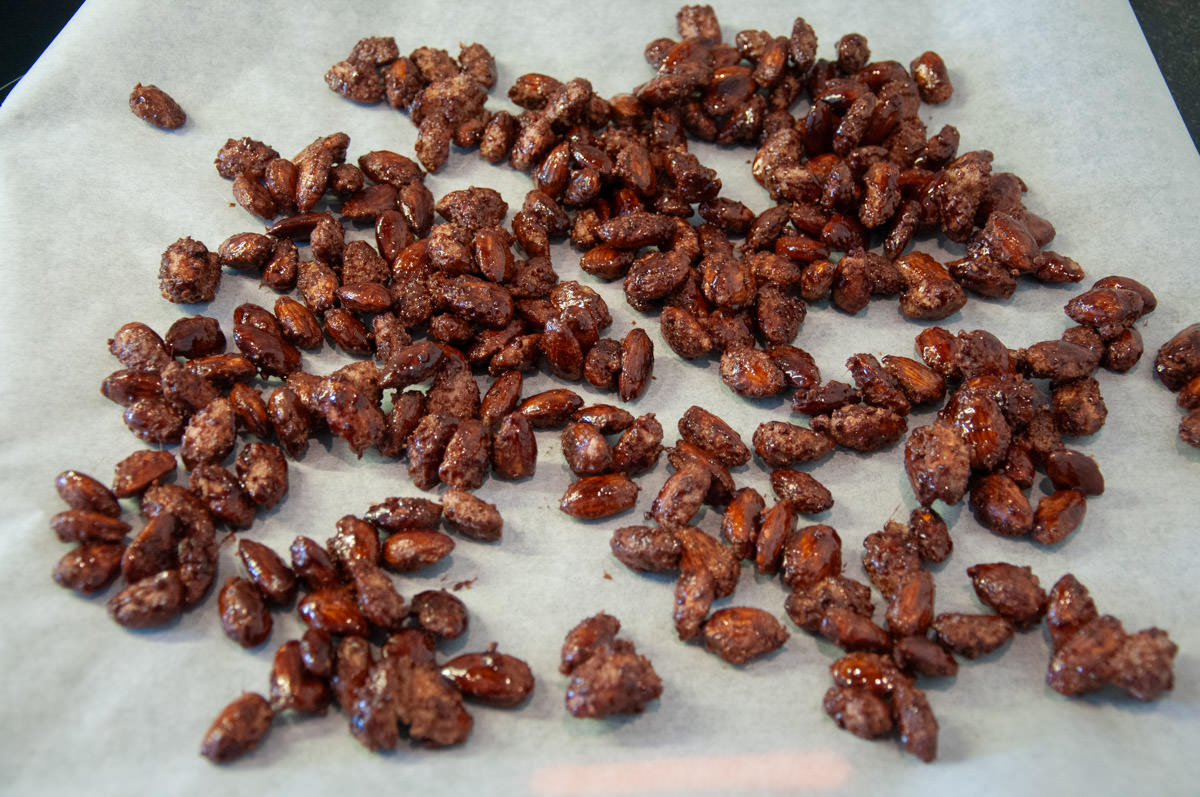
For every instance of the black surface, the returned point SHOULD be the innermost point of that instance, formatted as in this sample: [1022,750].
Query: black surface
[1172,28]
[28,27]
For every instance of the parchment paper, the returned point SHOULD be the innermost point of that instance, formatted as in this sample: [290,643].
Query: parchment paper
[1066,94]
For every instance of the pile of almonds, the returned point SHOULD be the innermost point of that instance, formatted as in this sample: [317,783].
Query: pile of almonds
[433,302]
[1177,365]
[607,674]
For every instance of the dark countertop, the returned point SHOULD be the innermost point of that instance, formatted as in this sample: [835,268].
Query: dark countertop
[1172,28]
[29,28]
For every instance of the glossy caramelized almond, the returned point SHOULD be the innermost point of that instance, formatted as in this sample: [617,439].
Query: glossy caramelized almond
[596,497]
[1000,506]
[148,603]
[550,408]
[89,568]
[493,678]
[80,491]
[739,634]
[81,525]
[938,463]
[471,516]
[244,616]
[268,571]
[333,609]
[708,432]
[238,729]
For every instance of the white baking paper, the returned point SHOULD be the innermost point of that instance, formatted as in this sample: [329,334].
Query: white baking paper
[1066,94]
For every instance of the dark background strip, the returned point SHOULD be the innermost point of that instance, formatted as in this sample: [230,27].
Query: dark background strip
[1172,27]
